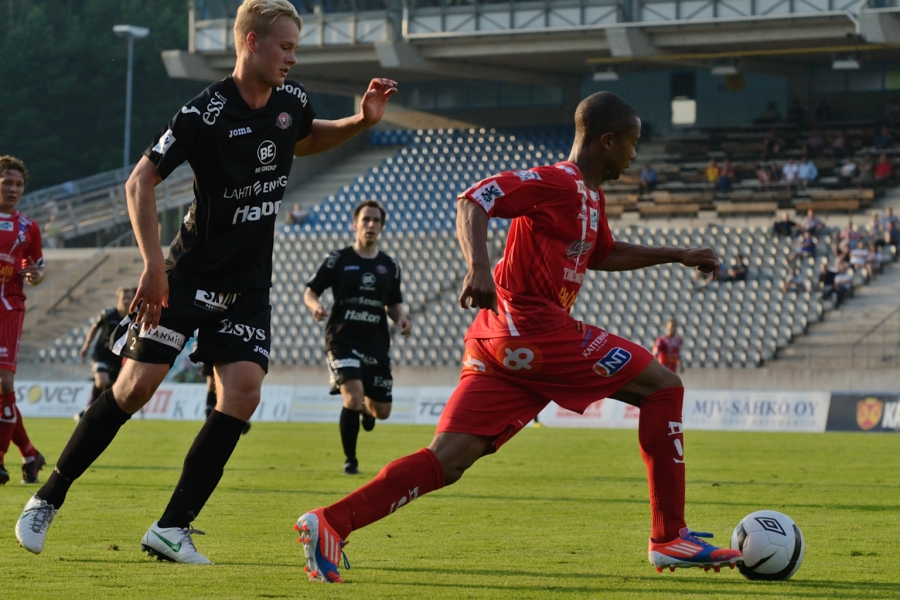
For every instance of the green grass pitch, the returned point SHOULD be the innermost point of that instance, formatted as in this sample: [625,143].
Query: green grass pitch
[556,514]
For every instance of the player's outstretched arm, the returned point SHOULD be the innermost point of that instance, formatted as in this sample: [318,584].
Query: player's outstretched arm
[88,339]
[628,257]
[326,135]
[478,289]
[312,302]
[153,288]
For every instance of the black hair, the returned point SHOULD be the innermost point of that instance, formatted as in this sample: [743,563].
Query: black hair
[603,112]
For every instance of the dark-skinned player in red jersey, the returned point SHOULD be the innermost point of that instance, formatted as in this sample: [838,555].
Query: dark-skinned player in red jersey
[524,349]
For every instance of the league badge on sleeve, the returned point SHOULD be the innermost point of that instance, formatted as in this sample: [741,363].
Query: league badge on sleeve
[487,194]
[164,143]
[595,219]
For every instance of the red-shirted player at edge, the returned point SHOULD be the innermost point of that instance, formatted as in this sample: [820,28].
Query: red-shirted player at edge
[21,261]
[524,349]
[667,348]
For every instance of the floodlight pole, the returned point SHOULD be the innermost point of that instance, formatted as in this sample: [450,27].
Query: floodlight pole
[130,32]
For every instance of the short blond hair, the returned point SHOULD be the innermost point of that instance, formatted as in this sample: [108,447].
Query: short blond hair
[259,16]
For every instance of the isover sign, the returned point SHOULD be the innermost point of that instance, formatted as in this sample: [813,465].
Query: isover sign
[51,399]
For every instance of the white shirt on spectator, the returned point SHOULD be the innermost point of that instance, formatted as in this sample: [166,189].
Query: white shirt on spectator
[859,256]
[790,171]
[843,280]
[848,169]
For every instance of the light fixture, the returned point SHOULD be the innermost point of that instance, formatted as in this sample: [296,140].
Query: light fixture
[608,75]
[850,63]
[723,70]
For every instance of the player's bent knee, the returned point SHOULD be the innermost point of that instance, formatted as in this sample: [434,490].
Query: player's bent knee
[379,410]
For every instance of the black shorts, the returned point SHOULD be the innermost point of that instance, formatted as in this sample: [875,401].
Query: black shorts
[110,365]
[374,370]
[231,327]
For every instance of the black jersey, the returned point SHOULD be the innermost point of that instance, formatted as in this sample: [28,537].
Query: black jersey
[362,287]
[241,160]
[106,321]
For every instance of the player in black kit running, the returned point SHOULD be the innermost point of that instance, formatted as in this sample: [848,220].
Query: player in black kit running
[239,136]
[364,281]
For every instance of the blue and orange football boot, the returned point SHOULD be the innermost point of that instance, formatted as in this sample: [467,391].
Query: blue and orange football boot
[688,550]
[322,546]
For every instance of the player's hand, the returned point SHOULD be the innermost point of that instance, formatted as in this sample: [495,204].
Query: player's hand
[33,274]
[704,259]
[320,313]
[374,101]
[83,352]
[479,290]
[151,296]
[405,326]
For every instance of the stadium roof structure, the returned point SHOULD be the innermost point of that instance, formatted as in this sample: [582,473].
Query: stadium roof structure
[344,43]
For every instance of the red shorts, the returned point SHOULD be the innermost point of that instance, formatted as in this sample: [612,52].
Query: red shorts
[507,381]
[10,334]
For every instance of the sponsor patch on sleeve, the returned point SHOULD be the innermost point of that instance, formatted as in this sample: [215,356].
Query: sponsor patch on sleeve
[164,143]
[595,219]
[487,194]
[526,175]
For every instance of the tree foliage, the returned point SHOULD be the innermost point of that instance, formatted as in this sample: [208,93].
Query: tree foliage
[62,106]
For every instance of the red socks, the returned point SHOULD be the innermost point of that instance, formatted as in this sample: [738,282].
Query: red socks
[398,483]
[662,448]
[8,419]
[20,437]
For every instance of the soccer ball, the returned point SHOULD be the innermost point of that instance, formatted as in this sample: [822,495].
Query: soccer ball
[772,545]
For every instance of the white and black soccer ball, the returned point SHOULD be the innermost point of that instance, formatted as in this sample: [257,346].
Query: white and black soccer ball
[772,545]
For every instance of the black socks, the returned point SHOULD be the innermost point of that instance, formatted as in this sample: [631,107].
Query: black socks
[203,468]
[94,432]
[349,431]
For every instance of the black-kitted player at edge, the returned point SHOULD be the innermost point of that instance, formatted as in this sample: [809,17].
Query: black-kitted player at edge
[240,136]
[364,281]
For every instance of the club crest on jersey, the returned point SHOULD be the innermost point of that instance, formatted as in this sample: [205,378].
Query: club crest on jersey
[382,270]
[164,143]
[284,120]
[578,248]
[487,194]
[612,363]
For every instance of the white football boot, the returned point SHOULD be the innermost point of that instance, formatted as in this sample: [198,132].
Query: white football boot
[32,526]
[174,544]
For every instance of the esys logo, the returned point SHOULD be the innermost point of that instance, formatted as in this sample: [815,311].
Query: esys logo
[245,332]
[612,363]
[250,212]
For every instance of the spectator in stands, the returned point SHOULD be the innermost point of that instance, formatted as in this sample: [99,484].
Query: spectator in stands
[806,248]
[891,237]
[838,146]
[826,279]
[297,215]
[823,112]
[883,140]
[649,179]
[770,114]
[712,172]
[52,237]
[847,238]
[884,170]
[874,231]
[794,282]
[843,284]
[726,177]
[789,172]
[765,175]
[812,224]
[889,218]
[815,143]
[849,172]
[859,260]
[736,271]
[785,227]
[875,258]
[806,172]
[772,145]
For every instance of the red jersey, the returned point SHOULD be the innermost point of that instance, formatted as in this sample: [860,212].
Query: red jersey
[668,351]
[558,231]
[20,240]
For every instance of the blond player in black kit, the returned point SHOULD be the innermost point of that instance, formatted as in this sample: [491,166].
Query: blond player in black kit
[240,137]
